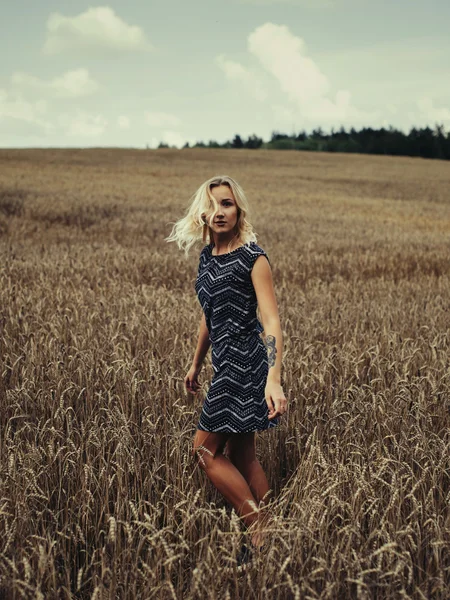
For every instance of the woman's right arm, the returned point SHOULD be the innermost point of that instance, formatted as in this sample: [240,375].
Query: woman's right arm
[203,344]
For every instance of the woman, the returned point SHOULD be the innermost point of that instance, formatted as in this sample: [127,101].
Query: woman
[245,395]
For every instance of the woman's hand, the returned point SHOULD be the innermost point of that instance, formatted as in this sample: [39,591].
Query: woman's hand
[191,380]
[275,399]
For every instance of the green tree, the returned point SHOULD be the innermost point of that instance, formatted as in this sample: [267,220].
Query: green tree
[237,142]
[254,142]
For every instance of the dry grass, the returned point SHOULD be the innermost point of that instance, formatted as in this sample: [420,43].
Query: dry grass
[99,495]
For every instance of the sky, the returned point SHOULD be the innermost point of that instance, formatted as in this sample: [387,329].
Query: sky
[132,74]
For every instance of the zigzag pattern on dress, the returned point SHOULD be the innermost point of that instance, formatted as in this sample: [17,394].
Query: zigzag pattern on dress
[225,290]
[235,401]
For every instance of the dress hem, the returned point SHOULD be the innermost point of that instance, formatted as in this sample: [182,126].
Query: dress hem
[244,431]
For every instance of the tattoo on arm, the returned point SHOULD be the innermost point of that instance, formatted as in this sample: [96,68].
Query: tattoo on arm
[271,350]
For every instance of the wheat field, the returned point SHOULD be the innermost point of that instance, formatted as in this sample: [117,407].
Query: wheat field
[100,496]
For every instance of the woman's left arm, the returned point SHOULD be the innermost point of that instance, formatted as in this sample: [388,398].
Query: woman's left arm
[261,275]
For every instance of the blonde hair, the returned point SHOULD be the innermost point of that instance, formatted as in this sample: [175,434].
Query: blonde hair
[191,228]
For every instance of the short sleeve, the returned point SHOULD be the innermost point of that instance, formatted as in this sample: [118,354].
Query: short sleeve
[256,251]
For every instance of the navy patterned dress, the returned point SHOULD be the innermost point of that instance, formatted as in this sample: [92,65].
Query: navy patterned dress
[235,401]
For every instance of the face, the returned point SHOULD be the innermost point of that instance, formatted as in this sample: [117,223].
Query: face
[227,212]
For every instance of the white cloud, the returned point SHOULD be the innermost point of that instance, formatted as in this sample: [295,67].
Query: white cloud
[97,27]
[123,122]
[161,119]
[82,124]
[15,109]
[173,138]
[33,118]
[430,113]
[283,114]
[72,84]
[284,56]
[234,71]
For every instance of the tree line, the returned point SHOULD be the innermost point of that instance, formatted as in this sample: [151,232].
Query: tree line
[426,142]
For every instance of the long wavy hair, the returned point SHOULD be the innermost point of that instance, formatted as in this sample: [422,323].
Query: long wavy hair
[191,228]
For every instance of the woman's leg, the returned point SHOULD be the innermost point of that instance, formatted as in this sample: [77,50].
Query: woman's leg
[208,448]
[242,453]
